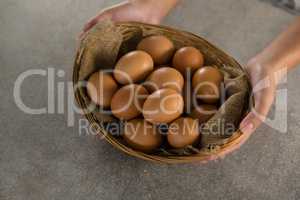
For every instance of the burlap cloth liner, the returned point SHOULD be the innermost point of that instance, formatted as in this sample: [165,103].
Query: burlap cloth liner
[106,42]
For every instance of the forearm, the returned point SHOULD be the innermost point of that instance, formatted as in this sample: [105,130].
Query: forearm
[284,51]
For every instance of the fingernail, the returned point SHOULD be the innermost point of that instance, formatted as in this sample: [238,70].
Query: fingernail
[248,128]
[213,157]
[244,124]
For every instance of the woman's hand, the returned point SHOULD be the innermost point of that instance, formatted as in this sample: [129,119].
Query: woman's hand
[147,11]
[264,82]
[265,71]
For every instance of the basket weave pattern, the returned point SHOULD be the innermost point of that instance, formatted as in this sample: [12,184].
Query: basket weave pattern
[130,33]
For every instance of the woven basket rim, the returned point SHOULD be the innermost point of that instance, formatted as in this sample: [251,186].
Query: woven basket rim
[233,140]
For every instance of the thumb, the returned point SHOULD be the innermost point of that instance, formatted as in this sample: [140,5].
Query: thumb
[250,123]
[92,22]
[256,117]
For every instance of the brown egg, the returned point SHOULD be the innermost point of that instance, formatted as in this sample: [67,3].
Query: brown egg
[204,112]
[188,58]
[141,135]
[165,77]
[101,87]
[163,106]
[206,84]
[183,132]
[127,102]
[159,47]
[133,67]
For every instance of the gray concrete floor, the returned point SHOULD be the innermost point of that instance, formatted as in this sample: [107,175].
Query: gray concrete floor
[43,158]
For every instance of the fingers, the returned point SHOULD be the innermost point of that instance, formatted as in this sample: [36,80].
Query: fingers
[253,120]
[207,159]
[264,93]
[87,27]
[263,102]
[250,123]
[91,23]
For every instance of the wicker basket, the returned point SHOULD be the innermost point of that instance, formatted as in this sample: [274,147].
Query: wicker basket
[213,56]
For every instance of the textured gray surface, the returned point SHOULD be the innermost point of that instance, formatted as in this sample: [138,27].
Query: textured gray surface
[42,158]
